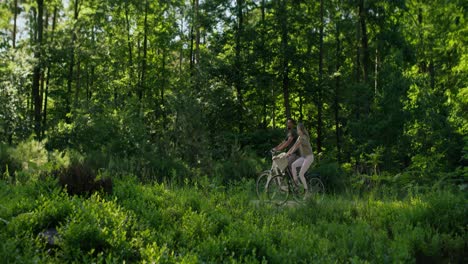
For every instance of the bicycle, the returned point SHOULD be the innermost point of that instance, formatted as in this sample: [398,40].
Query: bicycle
[264,178]
[277,183]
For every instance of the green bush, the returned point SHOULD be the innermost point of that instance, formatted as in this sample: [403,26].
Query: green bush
[332,176]
[8,165]
[198,221]
[49,212]
[95,226]
[80,179]
[32,157]
[238,165]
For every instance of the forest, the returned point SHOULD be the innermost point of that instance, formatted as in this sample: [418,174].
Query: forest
[134,130]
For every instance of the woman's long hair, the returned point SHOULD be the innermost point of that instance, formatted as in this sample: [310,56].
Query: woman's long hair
[301,127]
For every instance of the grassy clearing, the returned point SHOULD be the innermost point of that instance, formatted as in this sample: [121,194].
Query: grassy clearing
[211,224]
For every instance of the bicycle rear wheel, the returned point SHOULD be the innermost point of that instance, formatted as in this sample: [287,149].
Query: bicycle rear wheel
[261,186]
[316,188]
[277,190]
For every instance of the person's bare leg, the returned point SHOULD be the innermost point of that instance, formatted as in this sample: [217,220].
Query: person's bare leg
[296,164]
[305,166]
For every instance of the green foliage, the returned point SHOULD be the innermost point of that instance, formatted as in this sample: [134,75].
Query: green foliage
[32,157]
[162,90]
[80,179]
[166,224]
[96,226]
[238,164]
[8,165]
[332,175]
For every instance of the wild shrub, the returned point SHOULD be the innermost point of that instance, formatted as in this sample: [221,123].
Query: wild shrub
[198,222]
[48,212]
[333,177]
[8,165]
[32,157]
[96,225]
[80,179]
[150,167]
[240,164]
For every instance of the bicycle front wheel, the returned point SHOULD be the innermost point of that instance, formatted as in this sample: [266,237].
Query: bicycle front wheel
[261,187]
[316,188]
[277,190]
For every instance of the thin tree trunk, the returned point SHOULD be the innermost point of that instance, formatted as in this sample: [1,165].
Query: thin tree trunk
[38,70]
[191,49]
[145,50]
[364,41]
[44,72]
[78,83]
[197,32]
[285,56]
[376,74]
[91,79]
[422,63]
[15,16]
[336,97]
[358,54]
[238,64]
[72,59]
[48,70]
[181,55]
[358,69]
[263,74]
[90,93]
[320,85]
[129,42]
[163,87]
[130,51]
[308,77]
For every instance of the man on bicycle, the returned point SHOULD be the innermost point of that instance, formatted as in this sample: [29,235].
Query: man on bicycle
[289,141]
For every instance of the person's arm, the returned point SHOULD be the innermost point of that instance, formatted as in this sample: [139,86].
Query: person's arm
[294,147]
[284,144]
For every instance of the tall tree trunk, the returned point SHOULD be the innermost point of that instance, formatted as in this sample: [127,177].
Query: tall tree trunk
[130,51]
[38,70]
[364,41]
[145,51]
[357,105]
[308,77]
[44,73]
[376,74]
[91,84]
[358,54]
[263,74]
[320,85]
[238,64]
[48,70]
[336,104]
[181,35]
[72,59]
[285,55]
[77,84]
[163,87]
[197,32]
[129,42]
[15,16]
[191,48]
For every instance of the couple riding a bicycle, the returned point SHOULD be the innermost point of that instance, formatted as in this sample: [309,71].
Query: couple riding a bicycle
[284,178]
[300,152]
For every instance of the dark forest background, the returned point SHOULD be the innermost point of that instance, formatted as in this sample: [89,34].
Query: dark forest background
[187,88]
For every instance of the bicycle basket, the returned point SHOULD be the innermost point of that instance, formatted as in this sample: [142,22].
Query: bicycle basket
[280,161]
